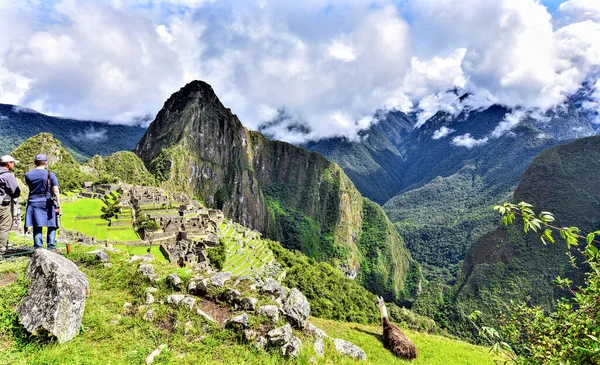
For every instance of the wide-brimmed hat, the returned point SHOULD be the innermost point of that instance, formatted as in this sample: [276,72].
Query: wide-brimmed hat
[7,158]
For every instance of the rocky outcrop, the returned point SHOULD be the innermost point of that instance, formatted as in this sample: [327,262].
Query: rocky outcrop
[56,298]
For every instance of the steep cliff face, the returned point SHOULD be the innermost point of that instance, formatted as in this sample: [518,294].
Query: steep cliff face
[506,264]
[291,195]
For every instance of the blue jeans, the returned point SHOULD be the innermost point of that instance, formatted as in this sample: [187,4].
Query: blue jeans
[50,237]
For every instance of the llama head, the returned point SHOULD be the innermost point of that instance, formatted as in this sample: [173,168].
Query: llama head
[380,303]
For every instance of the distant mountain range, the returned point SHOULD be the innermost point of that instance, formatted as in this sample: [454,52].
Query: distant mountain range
[83,139]
[439,181]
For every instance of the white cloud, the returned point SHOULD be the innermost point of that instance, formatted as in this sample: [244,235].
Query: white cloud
[582,9]
[511,120]
[466,140]
[442,132]
[329,64]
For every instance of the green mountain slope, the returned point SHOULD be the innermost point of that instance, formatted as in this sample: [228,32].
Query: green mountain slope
[197,145]
[507,264]
[82,138]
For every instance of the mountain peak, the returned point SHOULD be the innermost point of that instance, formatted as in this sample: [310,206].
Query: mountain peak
[196,90]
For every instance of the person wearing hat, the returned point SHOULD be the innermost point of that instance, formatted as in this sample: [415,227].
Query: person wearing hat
[41,212]
[9,190]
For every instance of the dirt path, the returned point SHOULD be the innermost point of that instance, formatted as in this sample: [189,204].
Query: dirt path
[8,278]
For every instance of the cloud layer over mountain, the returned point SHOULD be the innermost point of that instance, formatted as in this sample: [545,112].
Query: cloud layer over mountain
[328,66]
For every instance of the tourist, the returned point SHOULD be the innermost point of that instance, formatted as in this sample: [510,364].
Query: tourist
[9,190]
[43,204]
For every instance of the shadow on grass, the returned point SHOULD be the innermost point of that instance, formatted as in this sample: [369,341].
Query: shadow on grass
[378,336]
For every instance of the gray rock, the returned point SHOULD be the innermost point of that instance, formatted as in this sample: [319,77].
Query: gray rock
[230,296]
[56,298]
[319,347]
[100,255]
[175,299]
[200,312]
[189,302]
[248,304]
[191,288]
[349,349]
[149,315]
[146,258]
[155,353]
[292,348]
[242,320]
[127,307]
[274,288]
[198,287]
[147,270]
[281,335]
[269,311]
[261,342]
[220,278]
[315,331]
[149,298]
[107,264]
[297,308]
[175,281]
[250,335]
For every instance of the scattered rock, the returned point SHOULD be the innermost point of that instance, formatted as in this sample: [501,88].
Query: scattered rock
[154,354]
[108,264]
[56,297]
[319,347]
[269,311]
[100,255]
[175,281]
[149,315]
[273,287]
[292,348]
[191,288]
[205,315]
[281,335]
[146,258]
[315,331]
[189,301]
[261,342]
[349,349]
[147,270]
[175,299]
[220,278]
[242,320]
[230,296]
[127,307]
[149,298]
[248,304]
[250,335]
[297,308]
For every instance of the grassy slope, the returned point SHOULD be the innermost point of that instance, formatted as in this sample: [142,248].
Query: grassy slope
[111,336]
[91,207]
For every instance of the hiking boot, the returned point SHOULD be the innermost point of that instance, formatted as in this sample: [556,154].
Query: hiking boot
[56,250]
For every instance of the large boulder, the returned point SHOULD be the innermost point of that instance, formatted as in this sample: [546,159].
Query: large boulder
[56,298]
[296,308]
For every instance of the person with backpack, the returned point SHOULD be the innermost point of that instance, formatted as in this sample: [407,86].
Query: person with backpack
[43,205]
[9,190]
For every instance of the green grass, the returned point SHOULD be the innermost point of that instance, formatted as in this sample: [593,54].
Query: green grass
[431,349]
[111,336]
[92,207]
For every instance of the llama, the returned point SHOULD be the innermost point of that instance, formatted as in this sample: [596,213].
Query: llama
[393,338]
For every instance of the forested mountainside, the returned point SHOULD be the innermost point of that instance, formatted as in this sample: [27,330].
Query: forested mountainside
[197,145]
[446,184]
[83,138]
[507,264]
[371,161]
